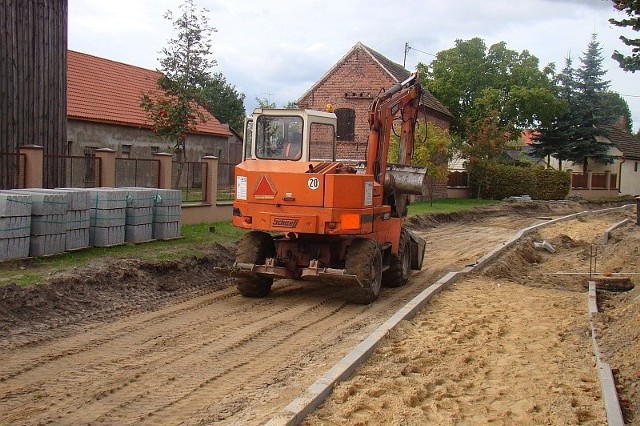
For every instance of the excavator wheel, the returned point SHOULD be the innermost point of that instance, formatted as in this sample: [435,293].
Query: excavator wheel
[254,247]
[400,268]
[364,260]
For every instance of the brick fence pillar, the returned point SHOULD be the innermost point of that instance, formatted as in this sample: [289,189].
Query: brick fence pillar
[107,158]
[34,167]
[211,183]
[166,164]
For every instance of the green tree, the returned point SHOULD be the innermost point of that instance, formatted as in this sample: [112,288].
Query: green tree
[552,136]
[224,102]
[614,106]
[176,110]
[433,148]
[632,9]
[470,80]
[572,135]
[590,109]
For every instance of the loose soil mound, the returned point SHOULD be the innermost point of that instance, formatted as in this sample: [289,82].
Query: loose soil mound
[109,287]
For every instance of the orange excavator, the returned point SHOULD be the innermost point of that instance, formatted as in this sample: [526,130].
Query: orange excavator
[312,217]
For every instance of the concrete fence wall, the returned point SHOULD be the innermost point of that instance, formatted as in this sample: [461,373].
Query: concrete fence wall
[206,211]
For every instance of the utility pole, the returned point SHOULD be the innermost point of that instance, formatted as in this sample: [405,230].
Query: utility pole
[406,49]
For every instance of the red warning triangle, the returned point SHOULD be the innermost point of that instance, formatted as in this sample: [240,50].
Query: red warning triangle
[264,189]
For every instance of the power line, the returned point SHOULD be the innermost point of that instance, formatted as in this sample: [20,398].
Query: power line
[407,48]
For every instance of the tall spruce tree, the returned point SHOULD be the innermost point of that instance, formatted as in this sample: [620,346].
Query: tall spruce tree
[572,136]
[589,110]
[553,138]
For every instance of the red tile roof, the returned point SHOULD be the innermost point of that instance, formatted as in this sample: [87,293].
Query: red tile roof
[106,91]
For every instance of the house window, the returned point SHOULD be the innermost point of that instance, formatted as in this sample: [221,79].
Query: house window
[346,124]
[155,149]
[126,151]
[69,147]
[636,166]
[89,164]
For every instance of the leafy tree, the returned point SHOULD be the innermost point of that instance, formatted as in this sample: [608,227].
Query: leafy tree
[632,9]
[487,139]
[470,80]
[176,111]
[613,107]
[223,101]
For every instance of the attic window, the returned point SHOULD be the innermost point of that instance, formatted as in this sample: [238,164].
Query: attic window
[346,124]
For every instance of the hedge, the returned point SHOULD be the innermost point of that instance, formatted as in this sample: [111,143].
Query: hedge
[499,181]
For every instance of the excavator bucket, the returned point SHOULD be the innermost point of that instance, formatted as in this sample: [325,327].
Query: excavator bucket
[405,179]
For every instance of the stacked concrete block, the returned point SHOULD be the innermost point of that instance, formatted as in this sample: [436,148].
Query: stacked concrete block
[15,225]
[76,216]
[139,215]
[167,214]
[107,216]
[48,222]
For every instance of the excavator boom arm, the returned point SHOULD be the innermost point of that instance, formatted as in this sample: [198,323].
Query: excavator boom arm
[403,98]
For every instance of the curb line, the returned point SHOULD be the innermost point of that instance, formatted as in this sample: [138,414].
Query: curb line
[607,382]
[310,399]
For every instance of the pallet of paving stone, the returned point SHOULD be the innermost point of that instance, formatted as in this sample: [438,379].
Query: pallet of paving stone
[107,216]
[15,225]
[48,221]
[77,217]
[139,215]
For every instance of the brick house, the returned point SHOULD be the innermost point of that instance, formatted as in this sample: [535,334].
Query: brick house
[350,86]
[103,111]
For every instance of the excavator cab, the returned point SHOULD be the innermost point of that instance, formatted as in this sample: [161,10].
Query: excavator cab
[292,135]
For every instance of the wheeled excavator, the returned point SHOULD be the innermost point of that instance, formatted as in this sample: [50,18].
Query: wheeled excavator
[312,217]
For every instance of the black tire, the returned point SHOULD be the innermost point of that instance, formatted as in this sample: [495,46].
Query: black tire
[254,247]
[364,260]
[400,268]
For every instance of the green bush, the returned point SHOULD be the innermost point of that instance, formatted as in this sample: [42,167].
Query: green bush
[497,181]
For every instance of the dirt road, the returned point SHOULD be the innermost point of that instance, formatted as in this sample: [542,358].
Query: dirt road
[131,343]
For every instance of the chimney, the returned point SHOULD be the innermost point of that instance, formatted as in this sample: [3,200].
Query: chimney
[622,122]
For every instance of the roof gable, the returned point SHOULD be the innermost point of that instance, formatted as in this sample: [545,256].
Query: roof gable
[395,71]
[624,140]
[106,91]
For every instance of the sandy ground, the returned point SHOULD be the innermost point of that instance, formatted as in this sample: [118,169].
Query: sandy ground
[520,354]
[130,342]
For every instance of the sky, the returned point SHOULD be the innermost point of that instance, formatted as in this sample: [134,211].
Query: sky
[277,49]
